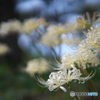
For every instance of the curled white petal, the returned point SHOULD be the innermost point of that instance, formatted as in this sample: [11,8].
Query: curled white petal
[64,89]
[88,77]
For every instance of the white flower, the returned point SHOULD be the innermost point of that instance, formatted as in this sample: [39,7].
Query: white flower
[67,60]
[86,54]
[37,66]
[57,29]
[32,24]
[89,49]
[4,49]
[92,41]
[55,32]
[10,26]
[71,38]
[50,39]
[82,58]
[57,79]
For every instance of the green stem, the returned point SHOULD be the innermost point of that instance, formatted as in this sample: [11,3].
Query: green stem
[69,87]
[76,98]
[91,86]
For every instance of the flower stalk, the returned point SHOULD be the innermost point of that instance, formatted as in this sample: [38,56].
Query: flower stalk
[76,97]
[91,86]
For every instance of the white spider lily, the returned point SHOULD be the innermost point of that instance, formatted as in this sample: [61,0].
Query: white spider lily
[57,79]
[84,58]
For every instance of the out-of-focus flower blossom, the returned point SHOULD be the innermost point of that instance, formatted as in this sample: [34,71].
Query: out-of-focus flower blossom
[62,28]
[32,24]
[37,66]
[10,26]
[86,21]
[4,49]
[16,26]
[71,38]
[50,39]
[54,33]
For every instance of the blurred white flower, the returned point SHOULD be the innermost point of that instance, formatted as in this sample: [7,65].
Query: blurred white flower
[71,38]
[32,24]
[55,32]
[50,39]
[10,26]
[37,66]
[4,49]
